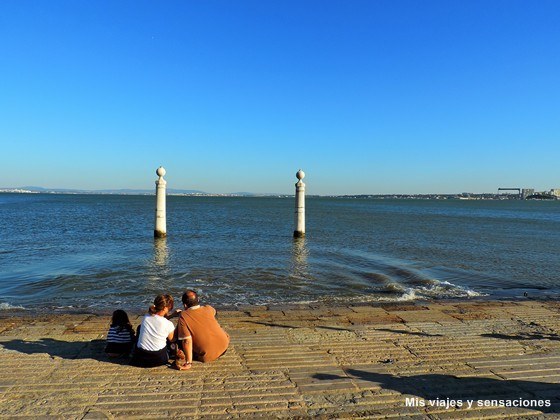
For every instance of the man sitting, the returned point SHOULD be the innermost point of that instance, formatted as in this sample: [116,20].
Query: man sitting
[202,337]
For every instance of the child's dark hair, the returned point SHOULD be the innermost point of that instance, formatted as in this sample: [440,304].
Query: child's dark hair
[120,320]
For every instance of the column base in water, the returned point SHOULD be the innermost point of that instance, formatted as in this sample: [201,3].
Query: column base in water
[159,234]
[298,234]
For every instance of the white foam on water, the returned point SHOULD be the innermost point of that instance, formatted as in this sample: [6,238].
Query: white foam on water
[445,289]
[410,294]
[4,306]
[435,290]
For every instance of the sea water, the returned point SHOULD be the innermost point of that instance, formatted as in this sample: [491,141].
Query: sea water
[97,252]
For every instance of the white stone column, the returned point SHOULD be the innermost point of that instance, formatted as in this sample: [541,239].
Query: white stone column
[300,206]
[160,230]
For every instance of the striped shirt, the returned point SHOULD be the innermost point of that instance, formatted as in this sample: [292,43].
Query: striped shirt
[119,335]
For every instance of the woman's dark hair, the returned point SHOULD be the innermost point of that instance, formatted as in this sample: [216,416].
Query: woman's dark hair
[160,303]
[120,320]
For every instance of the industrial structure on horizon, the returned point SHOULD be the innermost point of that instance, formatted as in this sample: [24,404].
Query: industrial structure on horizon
[530,194]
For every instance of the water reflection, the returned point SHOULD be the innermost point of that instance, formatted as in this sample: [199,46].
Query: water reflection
[299,258]
[161,252]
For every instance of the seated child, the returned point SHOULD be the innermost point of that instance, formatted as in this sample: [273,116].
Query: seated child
[120,337]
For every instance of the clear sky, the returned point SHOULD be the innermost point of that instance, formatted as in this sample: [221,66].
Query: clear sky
[366,96]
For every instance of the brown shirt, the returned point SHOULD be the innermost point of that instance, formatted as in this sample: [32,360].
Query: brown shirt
[209,340]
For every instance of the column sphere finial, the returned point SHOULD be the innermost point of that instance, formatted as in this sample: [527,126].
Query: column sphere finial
[300,175]
[160,171]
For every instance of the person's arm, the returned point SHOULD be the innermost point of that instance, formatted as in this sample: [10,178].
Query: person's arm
[173,314]
[184,335]
[187,349]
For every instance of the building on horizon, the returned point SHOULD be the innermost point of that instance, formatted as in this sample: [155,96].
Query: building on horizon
[527,192]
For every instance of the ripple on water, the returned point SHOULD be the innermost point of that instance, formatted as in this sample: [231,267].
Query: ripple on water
[240,251]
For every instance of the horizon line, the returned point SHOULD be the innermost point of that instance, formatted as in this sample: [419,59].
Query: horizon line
[193,192]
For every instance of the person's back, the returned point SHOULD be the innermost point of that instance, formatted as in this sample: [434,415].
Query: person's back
[155,331]
[209,340]
[120,337]
[198,325]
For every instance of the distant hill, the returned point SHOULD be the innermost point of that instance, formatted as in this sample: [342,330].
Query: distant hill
[123,191]
[130,191]
[30,188]
[177,191]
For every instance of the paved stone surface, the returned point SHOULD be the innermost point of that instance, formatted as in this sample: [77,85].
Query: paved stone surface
[412,361]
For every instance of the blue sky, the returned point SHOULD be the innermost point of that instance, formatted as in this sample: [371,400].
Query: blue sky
[366,96]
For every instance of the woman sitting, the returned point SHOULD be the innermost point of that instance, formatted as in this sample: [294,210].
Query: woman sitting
[155,330]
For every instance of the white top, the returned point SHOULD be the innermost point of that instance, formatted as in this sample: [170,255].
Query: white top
[154,331]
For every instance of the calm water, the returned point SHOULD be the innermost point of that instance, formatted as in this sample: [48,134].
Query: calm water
[97,252]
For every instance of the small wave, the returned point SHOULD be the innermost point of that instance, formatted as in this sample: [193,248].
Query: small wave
[437,292]
[443,290]
[461,290]
[392,288]
[375,277]
[7,307]
[407,296]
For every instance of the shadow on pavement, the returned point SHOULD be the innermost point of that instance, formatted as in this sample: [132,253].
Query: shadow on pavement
[93,349]
[421,334]
[434,386]
[272,324]
[524,336]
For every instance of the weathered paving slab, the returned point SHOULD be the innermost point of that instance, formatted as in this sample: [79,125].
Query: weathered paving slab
[384,361]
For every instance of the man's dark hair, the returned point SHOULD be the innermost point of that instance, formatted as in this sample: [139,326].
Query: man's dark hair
[190,298]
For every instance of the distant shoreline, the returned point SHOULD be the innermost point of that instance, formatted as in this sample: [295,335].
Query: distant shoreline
[462,196]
